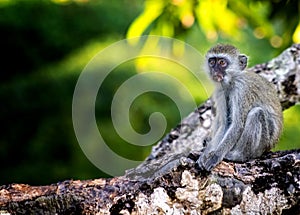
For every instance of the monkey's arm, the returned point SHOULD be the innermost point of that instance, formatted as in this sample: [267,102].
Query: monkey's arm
[223,140]
[220,106]
[216,151]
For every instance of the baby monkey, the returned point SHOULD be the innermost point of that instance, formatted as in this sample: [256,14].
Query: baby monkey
[248,112]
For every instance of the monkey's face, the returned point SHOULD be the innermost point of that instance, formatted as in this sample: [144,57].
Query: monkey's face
[217,68]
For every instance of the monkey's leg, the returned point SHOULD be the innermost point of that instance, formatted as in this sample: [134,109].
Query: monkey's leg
[255,135]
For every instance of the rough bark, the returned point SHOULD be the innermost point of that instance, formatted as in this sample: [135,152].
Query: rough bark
[167,181]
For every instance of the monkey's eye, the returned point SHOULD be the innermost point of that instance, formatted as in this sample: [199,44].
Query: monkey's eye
[222,62]
[211,61]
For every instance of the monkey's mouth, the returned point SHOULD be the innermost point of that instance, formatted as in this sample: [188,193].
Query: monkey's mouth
[218,77]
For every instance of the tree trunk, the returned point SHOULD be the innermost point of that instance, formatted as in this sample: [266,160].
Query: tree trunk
[167,182]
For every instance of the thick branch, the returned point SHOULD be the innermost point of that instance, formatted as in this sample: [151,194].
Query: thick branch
[168,183]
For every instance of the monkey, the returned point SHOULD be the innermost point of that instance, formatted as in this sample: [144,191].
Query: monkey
[248,115]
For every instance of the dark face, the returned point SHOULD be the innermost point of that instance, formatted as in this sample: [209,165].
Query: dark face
[217,68]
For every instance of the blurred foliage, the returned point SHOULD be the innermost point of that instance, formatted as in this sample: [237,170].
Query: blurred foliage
[44,47]
[274,20]
[45,44]
[41,32]
[291,130]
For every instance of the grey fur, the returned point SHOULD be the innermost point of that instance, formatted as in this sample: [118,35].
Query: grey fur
[248,113]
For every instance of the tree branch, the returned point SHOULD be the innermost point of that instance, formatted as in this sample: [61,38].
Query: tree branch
[167,181]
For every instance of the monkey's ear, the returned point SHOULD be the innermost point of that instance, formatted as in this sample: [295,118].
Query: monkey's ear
[243,61]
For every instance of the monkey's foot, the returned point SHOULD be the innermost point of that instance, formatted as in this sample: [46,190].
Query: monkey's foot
[207,162]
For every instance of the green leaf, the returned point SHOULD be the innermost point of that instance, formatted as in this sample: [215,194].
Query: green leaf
[153,9]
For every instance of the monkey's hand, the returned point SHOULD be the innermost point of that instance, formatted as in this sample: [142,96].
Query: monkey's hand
[208,160]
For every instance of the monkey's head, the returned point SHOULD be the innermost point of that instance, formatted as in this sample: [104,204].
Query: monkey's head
[225,61]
